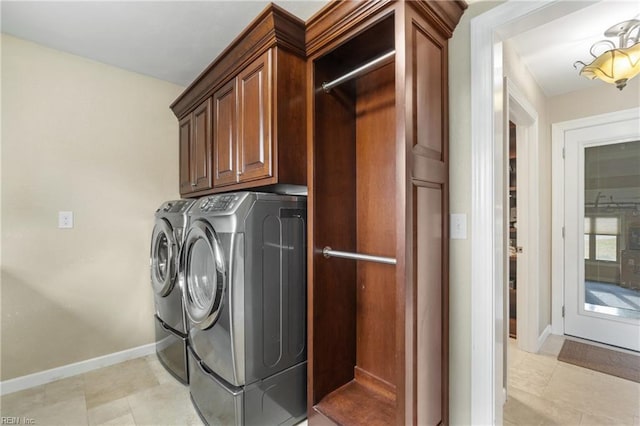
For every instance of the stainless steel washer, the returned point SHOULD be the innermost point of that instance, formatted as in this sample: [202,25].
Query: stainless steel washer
[243,263]
[170,322]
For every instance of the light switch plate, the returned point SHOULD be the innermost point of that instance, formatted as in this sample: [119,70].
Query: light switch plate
[458,226]
[65,219]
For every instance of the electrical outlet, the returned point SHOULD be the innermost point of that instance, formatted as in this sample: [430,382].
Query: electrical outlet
[65,219]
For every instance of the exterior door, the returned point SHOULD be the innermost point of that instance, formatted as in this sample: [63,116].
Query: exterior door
[602,233]
[204,274]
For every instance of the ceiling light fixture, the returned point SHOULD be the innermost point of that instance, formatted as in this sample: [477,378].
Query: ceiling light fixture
[618,64]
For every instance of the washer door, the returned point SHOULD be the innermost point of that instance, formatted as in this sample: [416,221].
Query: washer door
[164,252]
[203,270]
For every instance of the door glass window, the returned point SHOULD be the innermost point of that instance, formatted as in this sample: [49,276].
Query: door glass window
[201,275]
[611,210]
[162,256]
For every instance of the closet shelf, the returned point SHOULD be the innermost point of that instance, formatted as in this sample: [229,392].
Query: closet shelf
[327,86]
[356,404]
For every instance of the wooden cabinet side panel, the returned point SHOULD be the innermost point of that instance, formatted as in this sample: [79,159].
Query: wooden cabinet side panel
[254,120]
[225,135]
[290,147]
[429,144]
[201,148]
[184,138]
[428,258]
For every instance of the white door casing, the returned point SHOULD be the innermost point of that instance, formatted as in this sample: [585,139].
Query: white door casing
[487,200]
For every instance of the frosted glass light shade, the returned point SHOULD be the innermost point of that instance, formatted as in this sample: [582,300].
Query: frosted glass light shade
[615,66]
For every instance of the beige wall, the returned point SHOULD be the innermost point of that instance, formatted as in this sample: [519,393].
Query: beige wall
[100,141]
[460,202]
[600,99]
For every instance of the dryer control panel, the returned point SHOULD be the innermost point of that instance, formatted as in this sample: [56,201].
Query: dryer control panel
[218,203]
[178,206]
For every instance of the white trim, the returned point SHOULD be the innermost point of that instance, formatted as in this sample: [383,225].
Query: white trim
[486,32]
[525,116]
[557,223]
[47,376]
[545,333]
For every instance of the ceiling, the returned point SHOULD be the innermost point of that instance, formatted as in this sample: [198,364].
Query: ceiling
[550,50]
[176,40]
[169,40]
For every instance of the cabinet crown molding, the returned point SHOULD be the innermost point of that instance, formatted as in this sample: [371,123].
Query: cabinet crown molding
[274,27]
[338,17]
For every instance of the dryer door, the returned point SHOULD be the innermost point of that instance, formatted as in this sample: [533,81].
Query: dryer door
[164,252]
[203,268]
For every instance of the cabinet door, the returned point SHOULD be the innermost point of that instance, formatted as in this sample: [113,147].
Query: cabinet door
[255,118]
[224,135]
[201,147]
[185,154]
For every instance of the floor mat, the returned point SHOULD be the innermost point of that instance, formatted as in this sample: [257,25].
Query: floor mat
[620,364]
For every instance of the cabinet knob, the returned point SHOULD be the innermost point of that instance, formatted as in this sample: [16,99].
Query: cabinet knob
[193,184]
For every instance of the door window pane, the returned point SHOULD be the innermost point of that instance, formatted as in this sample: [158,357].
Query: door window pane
[612,197]
[606,247]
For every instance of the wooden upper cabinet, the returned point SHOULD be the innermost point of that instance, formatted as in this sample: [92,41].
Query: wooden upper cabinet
[255,89]
[185,154]
[255,114]
[224,139]
[195,150]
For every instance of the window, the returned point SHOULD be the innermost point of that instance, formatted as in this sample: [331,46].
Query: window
[601,238]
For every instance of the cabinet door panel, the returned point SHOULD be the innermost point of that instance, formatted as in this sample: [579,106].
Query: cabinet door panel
[185,154]
[255,116]
[224,135]
[201,147]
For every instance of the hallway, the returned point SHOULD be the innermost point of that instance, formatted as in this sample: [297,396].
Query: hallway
[543,390]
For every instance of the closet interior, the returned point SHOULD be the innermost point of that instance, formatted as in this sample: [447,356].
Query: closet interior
[377,128]
[354,212]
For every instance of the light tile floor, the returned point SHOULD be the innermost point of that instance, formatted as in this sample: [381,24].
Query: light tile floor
[544,391]
[135,392]
[541,389]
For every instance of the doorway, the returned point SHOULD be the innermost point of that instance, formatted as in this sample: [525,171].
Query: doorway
[600,180]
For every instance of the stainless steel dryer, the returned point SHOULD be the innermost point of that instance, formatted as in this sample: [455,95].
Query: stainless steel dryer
[166,242]
[245,297]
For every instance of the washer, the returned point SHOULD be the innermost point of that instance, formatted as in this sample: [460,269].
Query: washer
[244,268]
[170,322]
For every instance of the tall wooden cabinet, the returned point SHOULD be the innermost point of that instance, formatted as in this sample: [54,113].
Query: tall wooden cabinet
[243,120]
[378,185]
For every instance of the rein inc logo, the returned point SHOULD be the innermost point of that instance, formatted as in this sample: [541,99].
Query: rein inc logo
[7,420]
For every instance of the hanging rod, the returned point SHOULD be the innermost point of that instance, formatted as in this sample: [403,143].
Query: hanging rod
[327,86]
[329,252]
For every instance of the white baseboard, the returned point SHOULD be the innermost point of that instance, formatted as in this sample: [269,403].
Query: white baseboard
[47,376]
[545,333]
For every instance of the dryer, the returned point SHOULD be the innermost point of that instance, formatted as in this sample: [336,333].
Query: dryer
[243,264]
[170,322]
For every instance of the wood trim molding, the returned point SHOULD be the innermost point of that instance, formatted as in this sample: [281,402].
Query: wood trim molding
[273,27]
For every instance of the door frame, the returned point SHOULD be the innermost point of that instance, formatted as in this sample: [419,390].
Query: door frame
[524,115]
[558,135]
[487,31]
